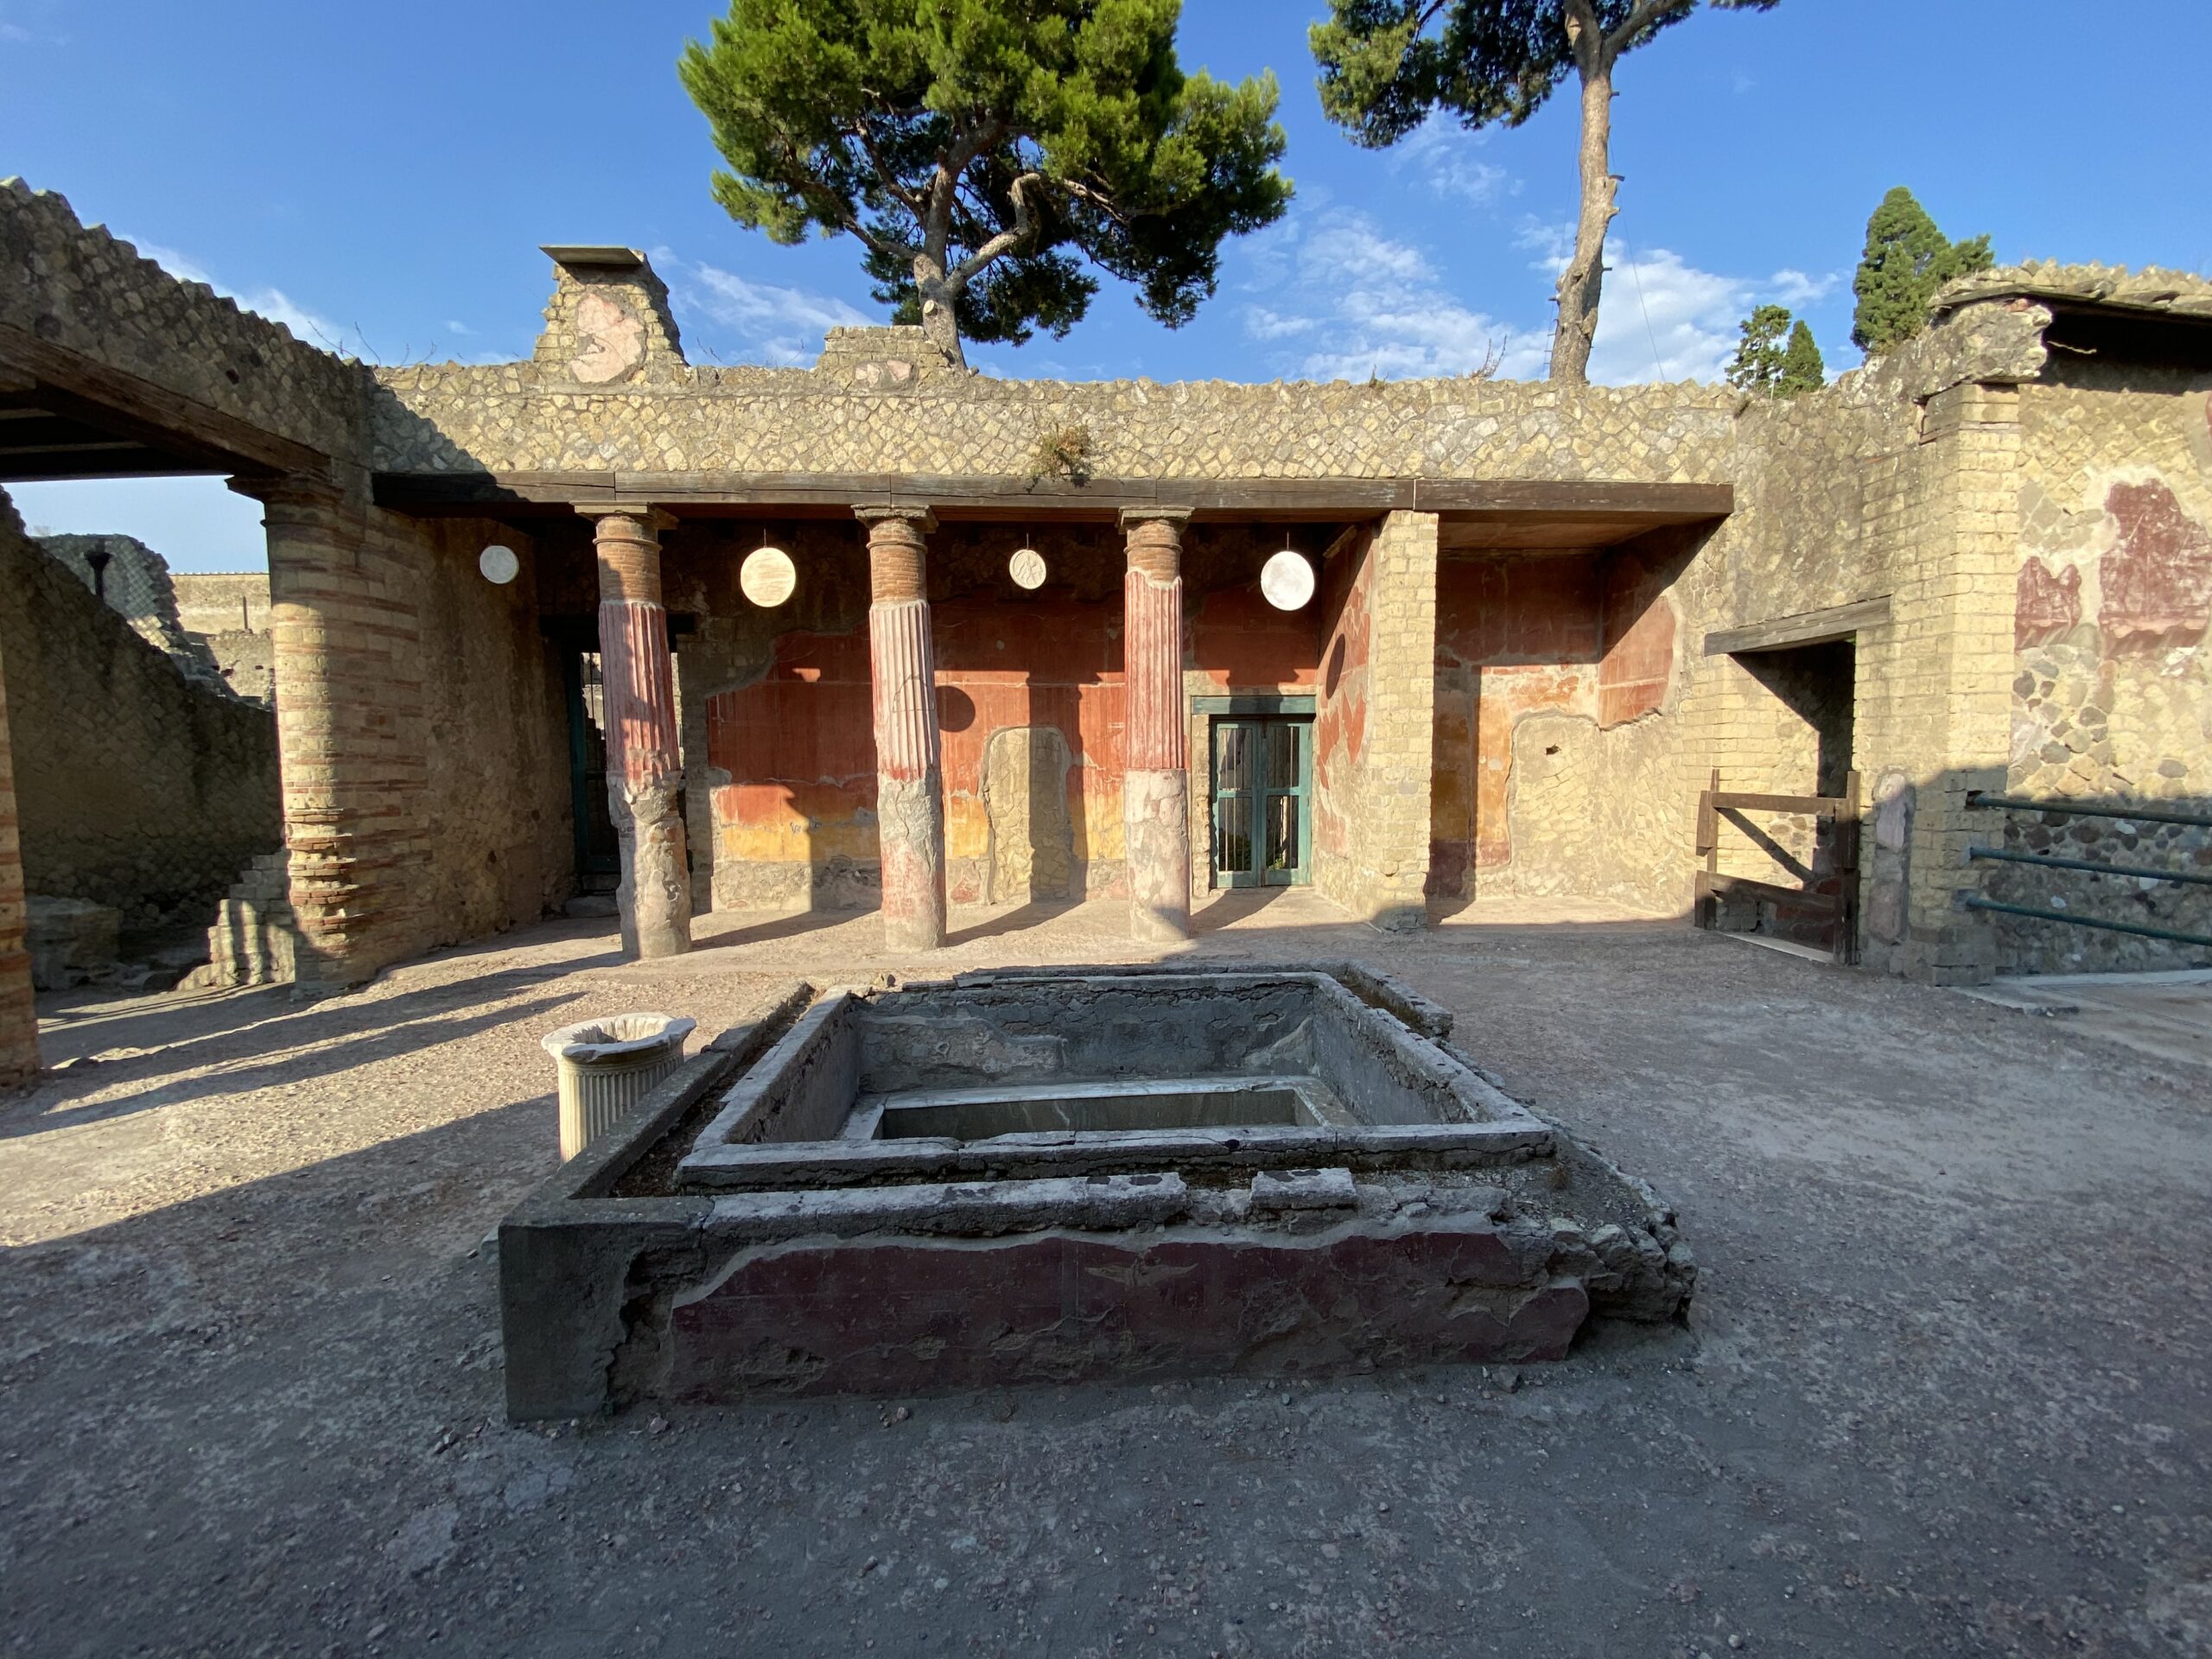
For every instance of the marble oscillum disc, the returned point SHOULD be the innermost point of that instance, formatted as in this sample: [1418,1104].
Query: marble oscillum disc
[1027,568]
[767,577]
[1286,580]
[498,564]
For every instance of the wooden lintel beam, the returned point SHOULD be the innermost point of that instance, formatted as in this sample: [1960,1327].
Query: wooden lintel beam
[57,437]
[44,466]
[959,496]
[1808,628]
[76,387]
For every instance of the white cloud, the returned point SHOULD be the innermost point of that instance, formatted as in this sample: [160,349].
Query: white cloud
[1341,299]
[461,328]
[1796,289]
[1661,318]
[1366,304]
[779,325]
[15,33]
[1442,152]
[195,523]
[310,326]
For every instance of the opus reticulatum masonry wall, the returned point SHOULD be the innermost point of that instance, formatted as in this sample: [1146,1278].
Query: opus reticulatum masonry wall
[1544,615]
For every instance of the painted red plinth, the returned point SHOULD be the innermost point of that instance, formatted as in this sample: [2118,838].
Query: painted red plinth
[898,1314]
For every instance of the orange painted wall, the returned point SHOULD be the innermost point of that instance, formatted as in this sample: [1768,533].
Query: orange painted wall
[798,748]
[1590,634]
[1514,636]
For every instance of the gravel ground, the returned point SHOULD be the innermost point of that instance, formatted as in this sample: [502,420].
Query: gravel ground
[1945,1389]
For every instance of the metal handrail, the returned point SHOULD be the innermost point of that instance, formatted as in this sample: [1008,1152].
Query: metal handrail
[2096,867]
[1975,901]
[1978,798]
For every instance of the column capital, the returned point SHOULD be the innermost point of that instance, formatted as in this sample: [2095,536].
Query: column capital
[289,490]
[917,514]
[644,514]
[1132,517]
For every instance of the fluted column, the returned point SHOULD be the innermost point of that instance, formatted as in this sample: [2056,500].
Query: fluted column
[1155,777]
[645,767]
[909,777]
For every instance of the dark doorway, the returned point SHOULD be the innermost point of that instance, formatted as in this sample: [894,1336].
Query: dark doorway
[1818,683]
[598,853]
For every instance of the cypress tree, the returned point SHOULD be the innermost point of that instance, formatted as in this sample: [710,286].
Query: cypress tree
[1757,364]
[1907,260]
[1801,367]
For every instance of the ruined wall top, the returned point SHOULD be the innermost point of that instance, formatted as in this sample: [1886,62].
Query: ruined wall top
[608,323]
[75,286]
[2174,293]
[134,581]
[882,359]
[857,414]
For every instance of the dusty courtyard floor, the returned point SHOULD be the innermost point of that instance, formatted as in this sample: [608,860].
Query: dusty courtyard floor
[1945,1390]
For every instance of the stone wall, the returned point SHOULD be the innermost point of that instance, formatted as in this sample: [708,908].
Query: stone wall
[76,290]
[423,742]
[19,1059]
[516,418]
[2112,693]
[1373,731]
[1899,483]
[134,581]
[228,613]
[137,788]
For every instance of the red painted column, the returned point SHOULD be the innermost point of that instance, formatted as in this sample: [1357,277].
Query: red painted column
[909,774]
[1156,777]
[645,767]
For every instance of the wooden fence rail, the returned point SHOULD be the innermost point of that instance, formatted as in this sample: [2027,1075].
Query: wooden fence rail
[1841,906]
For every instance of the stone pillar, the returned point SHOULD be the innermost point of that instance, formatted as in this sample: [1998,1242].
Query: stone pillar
[344,625]
[19,1060]
[909,774]
[1156,775]
[645,766]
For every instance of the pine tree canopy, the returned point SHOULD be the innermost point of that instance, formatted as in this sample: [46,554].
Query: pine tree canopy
[1801,367]
[985,152]
[1386,64]
[1907,260]
[1756,366]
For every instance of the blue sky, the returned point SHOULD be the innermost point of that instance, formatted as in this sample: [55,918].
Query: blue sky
[380,177]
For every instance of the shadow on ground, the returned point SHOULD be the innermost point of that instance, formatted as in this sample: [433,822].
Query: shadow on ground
[1947,1386]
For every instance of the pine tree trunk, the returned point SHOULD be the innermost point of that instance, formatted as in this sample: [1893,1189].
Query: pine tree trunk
[939,320]
[1585,275]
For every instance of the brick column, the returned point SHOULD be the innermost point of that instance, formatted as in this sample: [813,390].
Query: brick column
[19,1060]
[1156,776]
[645,765]
[909,774]
[346,637]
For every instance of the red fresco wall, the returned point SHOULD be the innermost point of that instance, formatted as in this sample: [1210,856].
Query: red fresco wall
[1584,634]
[799,751]
[798,747]
[1241,642]
[1638,632]
[1513,636]
[1340,709]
